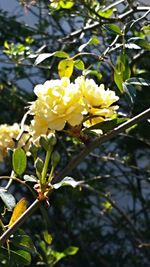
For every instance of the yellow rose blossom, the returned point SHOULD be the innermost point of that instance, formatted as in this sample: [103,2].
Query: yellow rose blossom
[59,102]
[7,134]
[98,101]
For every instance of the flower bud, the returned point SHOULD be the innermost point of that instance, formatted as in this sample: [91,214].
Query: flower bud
[44,142]
[33,149]
[55,158]
[52,139]
[39,165]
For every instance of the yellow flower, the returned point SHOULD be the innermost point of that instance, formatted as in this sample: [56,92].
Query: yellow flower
[7,134]
[98,101]
[59,102]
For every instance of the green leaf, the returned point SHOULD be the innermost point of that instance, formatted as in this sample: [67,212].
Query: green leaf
[92,41]
[44,56]
[67,181]
[79,64]
[47,237]
[66,4]
[23,242]
[122,71]
[113,28]
[106,14]
[8,199]
[61,54]
[65,68]
[96,73]
[19,161]
[71,250]
[17,258]
[118,80]
[146,29]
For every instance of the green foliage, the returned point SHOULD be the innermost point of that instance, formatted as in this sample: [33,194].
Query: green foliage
[101,215]
[19,161]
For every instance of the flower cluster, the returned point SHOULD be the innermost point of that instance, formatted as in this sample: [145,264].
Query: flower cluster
[60,102]
[7,135]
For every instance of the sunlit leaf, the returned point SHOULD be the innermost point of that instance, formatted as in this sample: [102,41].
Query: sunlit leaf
[140,42]
[47,237]
[79,64]
[67,181]
[19,209]
[113,28]
[8,199]
[106,14]
[42,57]
[30,178]
[66,4]
[92,41]
[71,250]
[19,160]
[65,68]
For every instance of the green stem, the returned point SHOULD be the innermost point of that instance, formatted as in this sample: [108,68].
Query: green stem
[51,174]
[44,172]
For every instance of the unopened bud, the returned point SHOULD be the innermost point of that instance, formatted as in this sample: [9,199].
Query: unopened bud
[39,165]
[44,142]
[33,149]
[55,158]
[52,139]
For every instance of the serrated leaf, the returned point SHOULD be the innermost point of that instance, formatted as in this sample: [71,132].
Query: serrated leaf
[65,68]
[19,161]
[8,199]
[19,209]
[113,28]
[67,181]
[79,64]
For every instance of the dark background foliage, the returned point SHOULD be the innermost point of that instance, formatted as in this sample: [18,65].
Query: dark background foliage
[109,220]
